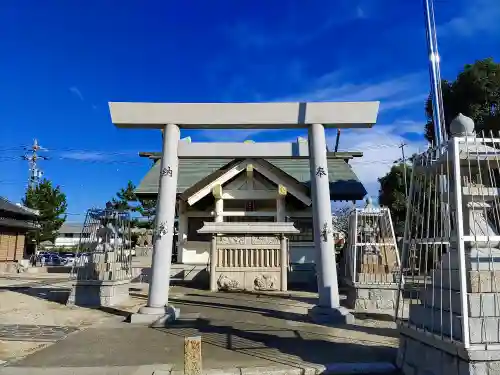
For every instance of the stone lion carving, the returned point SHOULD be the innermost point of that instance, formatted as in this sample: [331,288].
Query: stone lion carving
[226,283]
[265,282]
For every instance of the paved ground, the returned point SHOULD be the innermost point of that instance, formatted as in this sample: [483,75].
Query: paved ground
[237,330]
[33,315]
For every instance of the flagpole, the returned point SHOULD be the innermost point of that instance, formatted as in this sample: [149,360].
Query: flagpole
[435,75]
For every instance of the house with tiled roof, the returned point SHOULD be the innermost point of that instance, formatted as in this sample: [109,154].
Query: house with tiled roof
[249,190]
[15,222]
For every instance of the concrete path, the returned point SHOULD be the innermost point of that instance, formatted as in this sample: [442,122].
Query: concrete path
[241,333]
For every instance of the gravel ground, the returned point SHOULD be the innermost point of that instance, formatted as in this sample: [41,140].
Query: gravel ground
[35,305]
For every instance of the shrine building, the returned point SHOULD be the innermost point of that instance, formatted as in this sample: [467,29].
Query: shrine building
[249,190]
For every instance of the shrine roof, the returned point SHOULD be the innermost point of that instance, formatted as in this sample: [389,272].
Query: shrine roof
[15,209]
[344,184]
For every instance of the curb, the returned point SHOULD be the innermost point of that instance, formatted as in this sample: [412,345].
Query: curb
[332,368]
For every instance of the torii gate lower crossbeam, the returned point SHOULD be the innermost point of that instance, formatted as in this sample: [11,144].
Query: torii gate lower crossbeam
[170,117]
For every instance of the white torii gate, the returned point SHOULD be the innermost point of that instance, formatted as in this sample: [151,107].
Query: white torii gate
[170,117]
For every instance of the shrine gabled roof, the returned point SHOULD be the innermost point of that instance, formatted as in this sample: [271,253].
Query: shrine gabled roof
[344,184]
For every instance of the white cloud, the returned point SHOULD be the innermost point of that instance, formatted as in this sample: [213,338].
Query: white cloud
[394,93]
[380,147]
[410,127]
[75,91]
[293,30]
[102,156]
[247,35]
[360,13]
[84,155]
[477,17]
[403,103]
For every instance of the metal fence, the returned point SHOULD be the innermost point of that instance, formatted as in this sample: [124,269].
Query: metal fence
[372,253]
[105,248]
[451,255]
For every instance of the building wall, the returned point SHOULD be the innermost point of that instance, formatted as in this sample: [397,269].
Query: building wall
[67,241]
[11,245]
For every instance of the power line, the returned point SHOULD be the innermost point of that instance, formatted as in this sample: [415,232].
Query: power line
[97,152]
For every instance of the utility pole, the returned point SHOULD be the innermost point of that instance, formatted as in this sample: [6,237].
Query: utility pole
[337,140]
[31,155]
[402,147]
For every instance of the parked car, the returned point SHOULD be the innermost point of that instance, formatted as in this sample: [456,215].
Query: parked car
[68,259]
[50,260]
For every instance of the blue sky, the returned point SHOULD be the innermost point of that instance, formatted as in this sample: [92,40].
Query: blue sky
[62,62]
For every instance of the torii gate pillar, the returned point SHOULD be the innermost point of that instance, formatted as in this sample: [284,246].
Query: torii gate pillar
[164,225]
[314,116]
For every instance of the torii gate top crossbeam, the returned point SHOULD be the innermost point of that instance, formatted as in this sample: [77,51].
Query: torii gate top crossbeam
[244,115]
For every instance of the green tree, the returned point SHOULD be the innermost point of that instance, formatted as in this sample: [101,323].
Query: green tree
[51,202]
[474,93]
[392,194]
[148,210]
[126,199]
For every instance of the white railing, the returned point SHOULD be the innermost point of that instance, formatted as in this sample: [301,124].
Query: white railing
[451,247]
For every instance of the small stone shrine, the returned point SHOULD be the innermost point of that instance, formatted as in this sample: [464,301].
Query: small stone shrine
[249,256]
[452,225]
[103,264]
[372,261]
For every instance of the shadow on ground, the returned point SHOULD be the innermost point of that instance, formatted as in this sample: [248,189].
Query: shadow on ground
[224,345]
[282,346]
[224,306]
[52,294]
[42,289]
[236,330]
[215,307]
[58,295]
[286,296]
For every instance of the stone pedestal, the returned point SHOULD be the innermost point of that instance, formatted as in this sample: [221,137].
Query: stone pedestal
[420,354]
[373,298]
[155,316]
[103,281]
[97,293]
[330,316]
[441,311]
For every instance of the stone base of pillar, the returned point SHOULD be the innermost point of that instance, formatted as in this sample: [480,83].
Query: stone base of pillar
[98,293]
[154,316]
[330,316]
[162,317]
[421,354]
[373,298]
